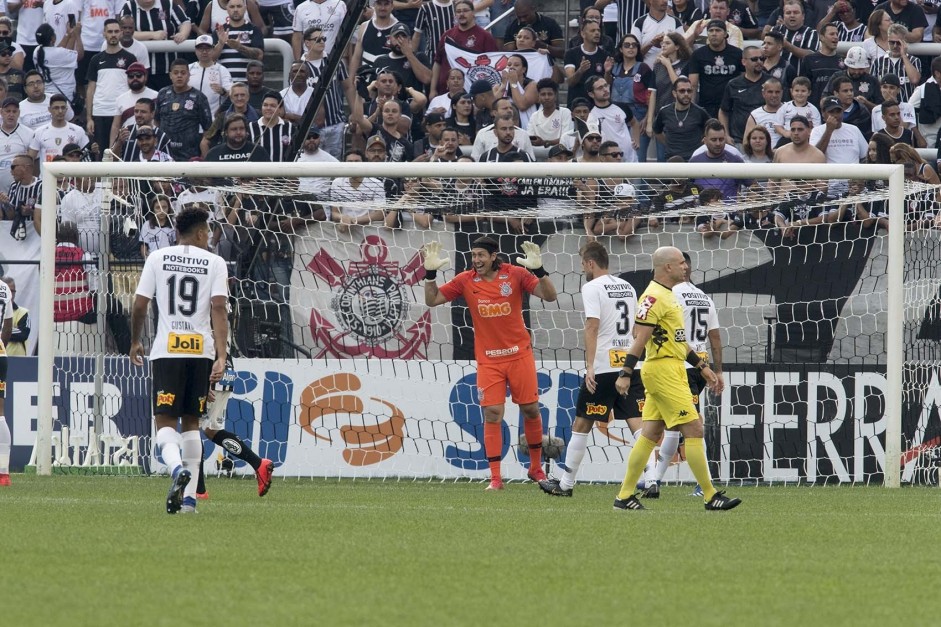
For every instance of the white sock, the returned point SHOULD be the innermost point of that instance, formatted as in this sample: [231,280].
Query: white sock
[168,441]
[6,441]
[192,452]
[574,452]
[671,442]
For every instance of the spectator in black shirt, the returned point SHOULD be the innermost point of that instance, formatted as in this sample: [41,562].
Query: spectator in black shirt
[743,95]
[546,28]
[909,14]
[182,113]
[680,126]
[236,146]
[713,66]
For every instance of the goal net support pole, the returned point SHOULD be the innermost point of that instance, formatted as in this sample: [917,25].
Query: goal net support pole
[257,172]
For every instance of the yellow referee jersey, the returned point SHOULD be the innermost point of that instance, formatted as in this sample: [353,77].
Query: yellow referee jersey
[658,308]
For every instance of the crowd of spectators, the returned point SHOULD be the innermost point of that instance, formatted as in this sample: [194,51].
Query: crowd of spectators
[633,80]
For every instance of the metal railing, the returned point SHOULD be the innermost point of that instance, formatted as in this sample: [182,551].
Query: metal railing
[272,45]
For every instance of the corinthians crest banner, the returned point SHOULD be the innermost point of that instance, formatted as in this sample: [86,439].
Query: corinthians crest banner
[489,65]
[359,294]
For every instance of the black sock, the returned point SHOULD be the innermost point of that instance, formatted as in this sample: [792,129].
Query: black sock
[231,442]
[201,482]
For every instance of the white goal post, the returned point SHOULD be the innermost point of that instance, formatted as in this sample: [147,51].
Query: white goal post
[55,172]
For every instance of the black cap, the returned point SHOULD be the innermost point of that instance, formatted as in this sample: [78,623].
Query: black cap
[831,103]
[559,149]
[433,118]
[400,29]
[480,86]
[891,79]
[313,131]
[70,148]
[10,101]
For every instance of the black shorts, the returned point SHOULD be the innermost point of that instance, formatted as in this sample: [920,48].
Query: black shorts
[180,386]
[3,376]
[697,383]
[598,406]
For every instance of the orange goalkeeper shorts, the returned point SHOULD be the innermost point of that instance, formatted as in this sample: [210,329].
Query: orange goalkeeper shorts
[519,375]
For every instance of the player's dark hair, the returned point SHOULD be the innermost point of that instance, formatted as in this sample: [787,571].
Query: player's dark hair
[688,259]
[191,218]
[487,243]
[177,62]
[148,102]
[112,20]
[595,251]
[58,98]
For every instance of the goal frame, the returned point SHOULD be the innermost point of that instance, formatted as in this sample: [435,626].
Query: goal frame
[894,174]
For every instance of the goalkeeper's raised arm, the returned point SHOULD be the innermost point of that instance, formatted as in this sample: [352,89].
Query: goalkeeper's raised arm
[502,345]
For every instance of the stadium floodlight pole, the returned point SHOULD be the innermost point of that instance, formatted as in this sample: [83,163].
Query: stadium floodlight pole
[350,23]
[893,173]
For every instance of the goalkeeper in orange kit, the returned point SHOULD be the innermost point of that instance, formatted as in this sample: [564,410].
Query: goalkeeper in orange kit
[502,347]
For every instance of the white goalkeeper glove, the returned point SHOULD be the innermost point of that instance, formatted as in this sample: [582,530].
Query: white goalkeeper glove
[533,259]
[433,260]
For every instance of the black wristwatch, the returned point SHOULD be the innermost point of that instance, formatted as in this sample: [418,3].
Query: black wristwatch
[625,374]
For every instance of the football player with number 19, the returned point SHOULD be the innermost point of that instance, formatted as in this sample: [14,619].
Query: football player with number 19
[502,347]
[189,284]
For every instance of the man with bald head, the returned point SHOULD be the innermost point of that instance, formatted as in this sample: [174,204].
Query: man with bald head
[659,328]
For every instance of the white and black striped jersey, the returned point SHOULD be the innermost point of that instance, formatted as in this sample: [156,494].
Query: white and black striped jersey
[613,302]
[182,281]
[26,195]
[248,35]
[165,15]
[857,34]
[433,19]
[628,12]
[274,140]
[883,66]
[132,150]
[804,37]
[333,101]
[699,314]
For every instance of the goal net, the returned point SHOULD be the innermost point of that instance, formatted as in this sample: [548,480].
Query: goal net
[827,292]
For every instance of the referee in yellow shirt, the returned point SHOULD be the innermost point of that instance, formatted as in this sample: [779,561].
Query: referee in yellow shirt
[659,328]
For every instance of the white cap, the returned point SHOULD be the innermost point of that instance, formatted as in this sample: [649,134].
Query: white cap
[625,190]
[207,41]
[857,59]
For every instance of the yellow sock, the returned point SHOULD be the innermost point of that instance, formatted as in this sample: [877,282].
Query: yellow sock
[635,465]
[696,458]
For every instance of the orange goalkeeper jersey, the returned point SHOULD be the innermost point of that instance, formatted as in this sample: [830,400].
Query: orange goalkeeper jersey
[496,309]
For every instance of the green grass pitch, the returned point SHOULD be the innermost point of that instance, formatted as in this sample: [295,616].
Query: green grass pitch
[101,551]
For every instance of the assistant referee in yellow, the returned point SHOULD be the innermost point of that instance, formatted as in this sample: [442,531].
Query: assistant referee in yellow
[659,327]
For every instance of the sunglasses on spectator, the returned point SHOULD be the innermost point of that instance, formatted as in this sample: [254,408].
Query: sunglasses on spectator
[319,40]
[629,44]
[756,59]
[6,53]
[617,153]
[135,75]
